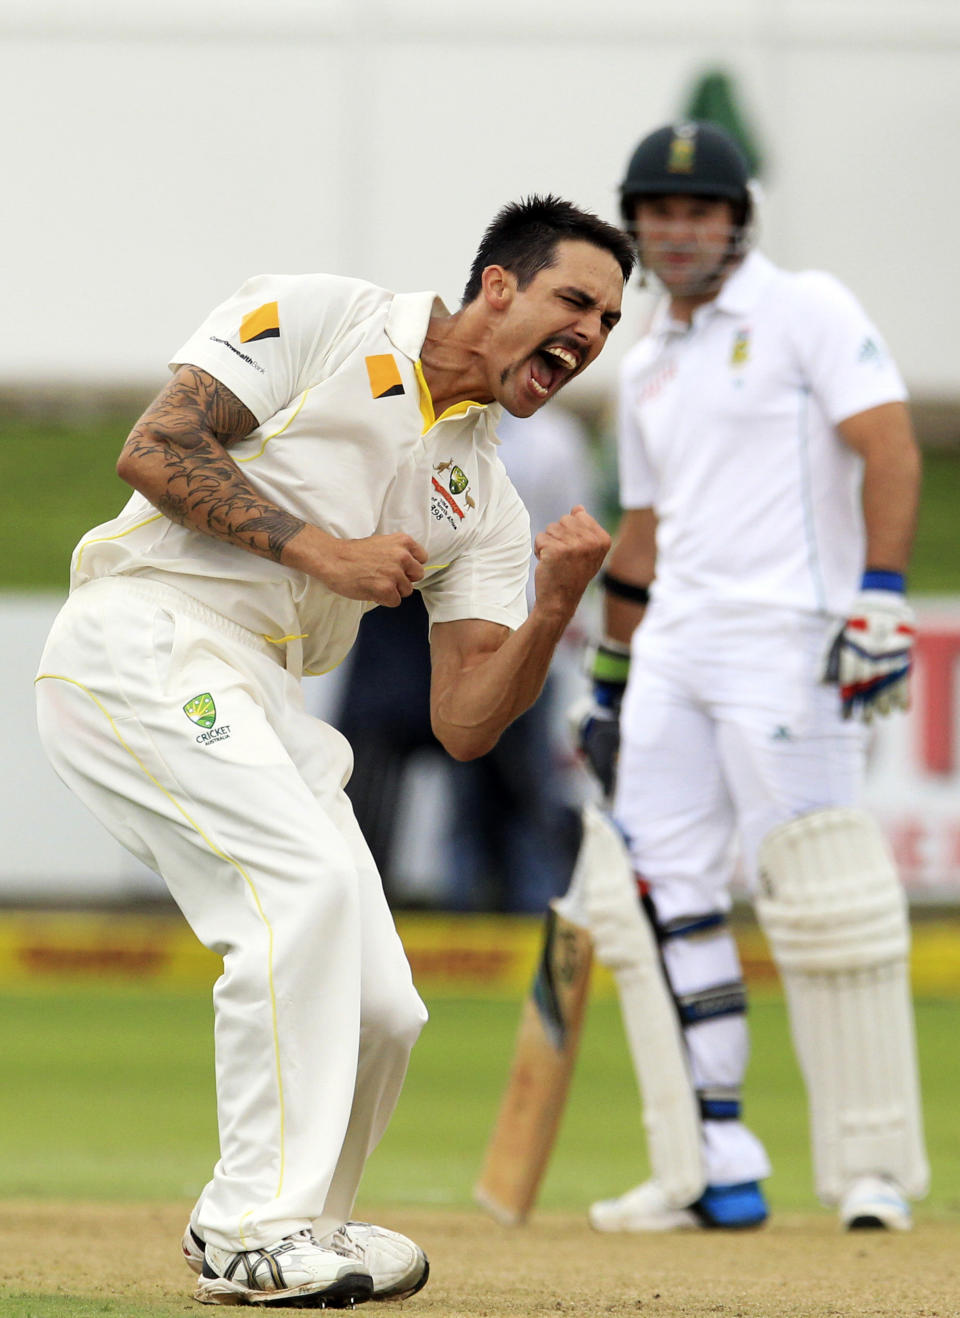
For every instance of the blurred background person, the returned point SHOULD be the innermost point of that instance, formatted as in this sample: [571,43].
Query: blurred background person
[388,726]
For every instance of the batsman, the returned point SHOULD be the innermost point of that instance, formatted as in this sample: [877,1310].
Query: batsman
[755,621]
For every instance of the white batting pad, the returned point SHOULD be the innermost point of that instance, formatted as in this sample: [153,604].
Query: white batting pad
[835,915]
[603,897]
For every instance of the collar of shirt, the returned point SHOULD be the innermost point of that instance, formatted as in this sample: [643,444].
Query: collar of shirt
[493,411]
[740,293]
[408,318]
[406,328]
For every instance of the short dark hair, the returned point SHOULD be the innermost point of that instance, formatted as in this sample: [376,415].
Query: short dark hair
[523,237]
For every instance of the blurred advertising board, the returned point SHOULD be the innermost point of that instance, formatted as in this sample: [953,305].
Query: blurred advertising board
[913,777]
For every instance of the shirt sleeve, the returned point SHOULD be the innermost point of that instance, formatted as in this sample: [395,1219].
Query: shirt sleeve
[843,355]
[638,482]
[270,340]
[488,580]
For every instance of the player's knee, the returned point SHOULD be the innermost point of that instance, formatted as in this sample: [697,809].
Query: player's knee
[703,967]
[829,897]
[394,1017]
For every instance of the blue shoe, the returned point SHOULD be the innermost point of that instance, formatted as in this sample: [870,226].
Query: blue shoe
[732,1206]
[647,1208]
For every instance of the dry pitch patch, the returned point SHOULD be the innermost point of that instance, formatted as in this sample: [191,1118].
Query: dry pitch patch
[800,1266]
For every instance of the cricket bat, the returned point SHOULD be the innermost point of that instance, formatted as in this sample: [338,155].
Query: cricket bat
[543,1060]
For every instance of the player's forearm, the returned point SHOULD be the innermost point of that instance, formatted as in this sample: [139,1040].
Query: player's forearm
[891,491]
[621,618]
[477,703]
[193,481]
[482,681]
[176,456]
[632,561]
[197,484]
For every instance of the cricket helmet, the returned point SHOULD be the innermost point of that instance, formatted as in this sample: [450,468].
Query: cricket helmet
[693,158]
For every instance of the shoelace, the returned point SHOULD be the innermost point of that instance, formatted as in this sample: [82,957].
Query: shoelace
[339,1242]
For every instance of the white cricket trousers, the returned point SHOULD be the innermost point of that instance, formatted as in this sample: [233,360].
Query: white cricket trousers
[727,732]
[237,800]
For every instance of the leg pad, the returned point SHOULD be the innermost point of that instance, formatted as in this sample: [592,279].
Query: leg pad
[835,914]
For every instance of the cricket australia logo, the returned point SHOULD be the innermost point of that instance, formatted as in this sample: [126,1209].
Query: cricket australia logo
[202,711]
[443,501]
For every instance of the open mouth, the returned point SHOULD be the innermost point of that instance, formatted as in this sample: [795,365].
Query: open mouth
[550,367]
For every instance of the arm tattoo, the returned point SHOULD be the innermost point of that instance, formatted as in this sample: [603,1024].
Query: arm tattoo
[182,440]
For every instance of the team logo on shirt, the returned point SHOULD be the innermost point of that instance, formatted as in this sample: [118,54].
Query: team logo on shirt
[870,354]
[264,323]
[443,501]
[741,348]
[384,375]
[202,711]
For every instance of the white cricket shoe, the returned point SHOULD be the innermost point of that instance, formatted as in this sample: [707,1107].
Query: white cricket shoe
[644,1208]
[647,1208]
[875,1203]
[193,1247]
[398,1267]
[297,1272]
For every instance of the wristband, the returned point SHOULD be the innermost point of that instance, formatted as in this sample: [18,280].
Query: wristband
[625,589]
[878,578]
[610,663]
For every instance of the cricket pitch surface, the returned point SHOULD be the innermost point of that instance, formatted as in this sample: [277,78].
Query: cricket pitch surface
[127,1256]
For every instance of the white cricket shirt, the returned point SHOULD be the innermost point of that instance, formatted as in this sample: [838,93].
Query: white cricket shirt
[727,429]
[348,441]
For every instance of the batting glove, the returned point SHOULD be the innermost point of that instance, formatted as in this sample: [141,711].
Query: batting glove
[595,719]
[870,658]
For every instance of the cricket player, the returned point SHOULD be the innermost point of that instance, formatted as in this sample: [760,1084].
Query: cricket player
[755,618]
[323,446]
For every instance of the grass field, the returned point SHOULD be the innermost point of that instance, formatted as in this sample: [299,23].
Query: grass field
[107,1126]
[108,1094]
[59,480]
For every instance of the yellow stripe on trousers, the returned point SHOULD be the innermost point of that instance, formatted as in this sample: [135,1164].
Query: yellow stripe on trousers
[57,677]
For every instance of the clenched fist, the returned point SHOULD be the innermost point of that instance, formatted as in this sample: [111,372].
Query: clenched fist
[569,553]
[380,569]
